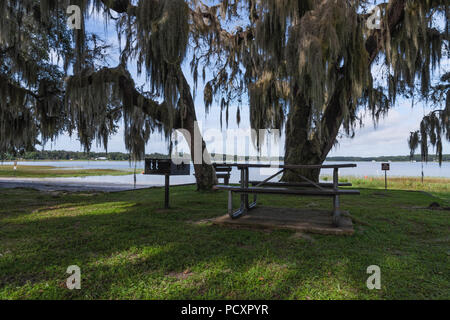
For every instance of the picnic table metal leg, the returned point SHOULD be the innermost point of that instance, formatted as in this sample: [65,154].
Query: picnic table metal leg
[254,203]
[247,183]
[230,203]
[336,202]
[243,185]
[234,214]
[246,176]
[243,208]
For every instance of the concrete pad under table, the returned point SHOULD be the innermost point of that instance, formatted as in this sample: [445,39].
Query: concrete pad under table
[303,220]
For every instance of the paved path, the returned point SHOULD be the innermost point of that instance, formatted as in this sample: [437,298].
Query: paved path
[72,186]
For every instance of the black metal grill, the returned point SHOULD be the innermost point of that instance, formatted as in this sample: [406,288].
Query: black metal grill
[166,166]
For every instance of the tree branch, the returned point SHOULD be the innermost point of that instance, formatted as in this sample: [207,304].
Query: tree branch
[332,119]
[159,112]
[120,6]
[17,88]
[374,43]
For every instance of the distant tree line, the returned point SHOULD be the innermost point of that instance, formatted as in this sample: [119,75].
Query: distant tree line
[72,155]
[120,156]
[418,158]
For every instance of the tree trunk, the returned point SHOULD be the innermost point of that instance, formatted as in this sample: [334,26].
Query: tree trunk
[205,175]
[298,148]
[304,146]
[306,156]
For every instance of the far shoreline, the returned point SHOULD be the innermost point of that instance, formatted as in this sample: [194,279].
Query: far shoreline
[251,160]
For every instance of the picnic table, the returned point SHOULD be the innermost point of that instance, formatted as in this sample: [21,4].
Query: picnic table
[307,187]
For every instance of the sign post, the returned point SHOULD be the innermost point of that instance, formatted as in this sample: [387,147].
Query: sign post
[385,167]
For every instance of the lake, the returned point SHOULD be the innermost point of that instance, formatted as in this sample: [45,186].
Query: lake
[410,169]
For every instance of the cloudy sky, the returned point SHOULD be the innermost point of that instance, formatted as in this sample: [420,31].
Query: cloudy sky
[389,137]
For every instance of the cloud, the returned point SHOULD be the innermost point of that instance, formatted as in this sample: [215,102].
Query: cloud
[388,138]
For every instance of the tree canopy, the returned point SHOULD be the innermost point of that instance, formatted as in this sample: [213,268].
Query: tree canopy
[316,66]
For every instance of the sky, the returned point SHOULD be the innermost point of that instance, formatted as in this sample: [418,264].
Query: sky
[388,137]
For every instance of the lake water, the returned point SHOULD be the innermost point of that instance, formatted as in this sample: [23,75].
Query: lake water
[410,169]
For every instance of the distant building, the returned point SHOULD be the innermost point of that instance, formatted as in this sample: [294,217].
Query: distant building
[101,158]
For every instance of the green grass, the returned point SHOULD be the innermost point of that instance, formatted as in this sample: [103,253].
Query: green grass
[129,248]
[54,172]
[439,187]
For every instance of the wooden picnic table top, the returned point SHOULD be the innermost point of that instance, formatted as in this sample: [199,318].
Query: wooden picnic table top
[292,166]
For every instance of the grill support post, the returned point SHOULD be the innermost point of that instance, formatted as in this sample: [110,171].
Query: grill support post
[166,196]
[336,202]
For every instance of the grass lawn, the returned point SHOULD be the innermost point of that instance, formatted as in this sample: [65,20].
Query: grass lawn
[54,172]
[129,248]
[439,187]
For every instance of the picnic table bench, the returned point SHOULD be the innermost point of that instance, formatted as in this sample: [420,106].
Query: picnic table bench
[223,172]
[307,188]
